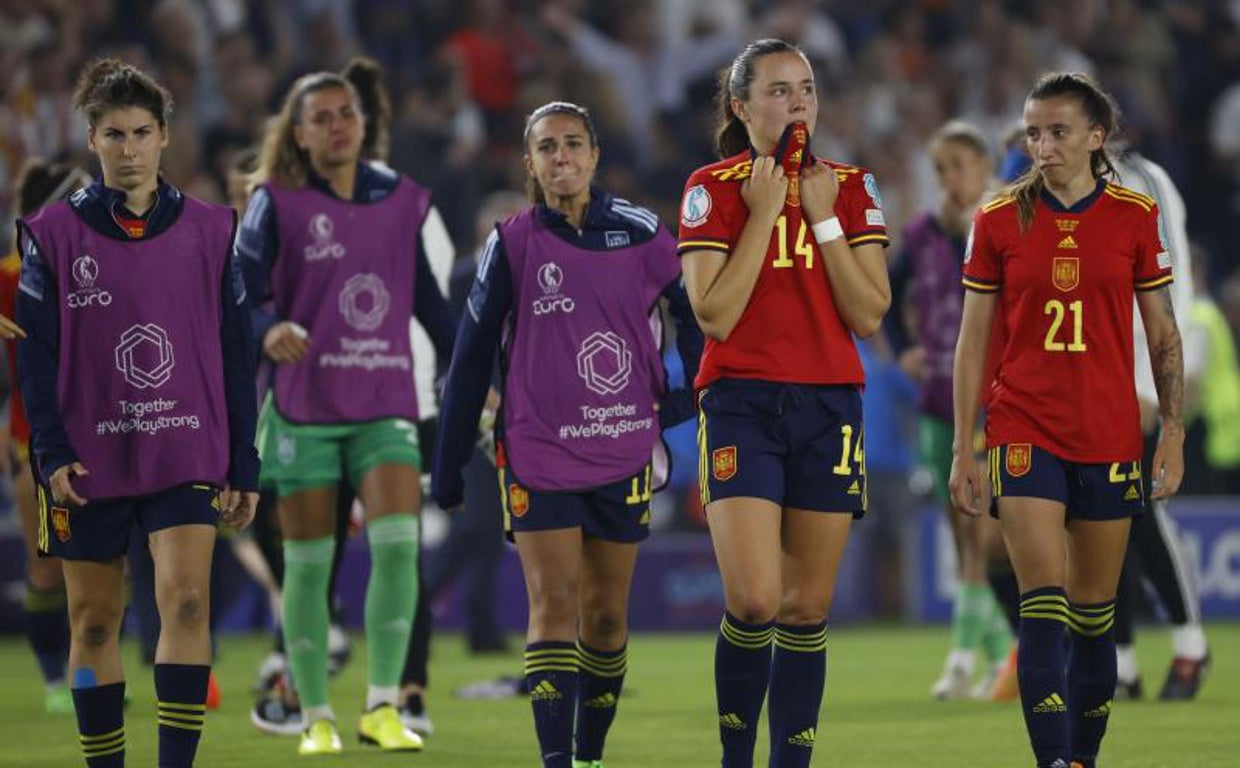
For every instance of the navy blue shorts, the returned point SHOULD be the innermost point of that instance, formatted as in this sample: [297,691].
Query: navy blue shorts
[100,530]
[798,445]
[1088,491]
[618,512]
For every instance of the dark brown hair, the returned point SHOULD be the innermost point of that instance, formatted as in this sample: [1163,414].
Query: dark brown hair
[734,82]
[367,78]
[107,84]
[1099,110]
[533,190]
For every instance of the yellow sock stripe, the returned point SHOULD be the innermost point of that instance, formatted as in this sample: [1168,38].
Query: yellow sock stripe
[1092,625]
[119,732]
[1045,601]
[185,716]
[178,724]
[89,753]
[172,705]
[551,653]
[746,639]
[1102,610]
[532,668]
[804,643]
[602,666]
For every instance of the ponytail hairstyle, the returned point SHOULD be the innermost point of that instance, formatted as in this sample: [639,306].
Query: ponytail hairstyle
[367,78]
[280,160]
[731,136]
[1099,110]
[107,84]
[533,190]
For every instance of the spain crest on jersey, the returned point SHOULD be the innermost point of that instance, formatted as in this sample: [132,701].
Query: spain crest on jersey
[1066,272]
[518,500]
[723,463]
[60,523]
[1019,459]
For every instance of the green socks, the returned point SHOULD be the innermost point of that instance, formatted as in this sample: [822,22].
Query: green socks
[391,596]
[307,571]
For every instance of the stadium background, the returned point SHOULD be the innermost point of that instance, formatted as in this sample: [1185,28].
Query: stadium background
[462,76]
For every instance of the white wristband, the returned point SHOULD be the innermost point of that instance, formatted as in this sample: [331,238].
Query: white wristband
[827,230]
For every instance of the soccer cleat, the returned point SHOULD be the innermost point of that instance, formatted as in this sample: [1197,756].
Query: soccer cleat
[339,649]
[1129,690]
[506,687]
[1184,678]
[213,692]
[414,716]
[952,685]
[272,715]
[270,672]
[587,764]
[1007,684]
[58,700]
[984,689]
[381,727]
[320,739]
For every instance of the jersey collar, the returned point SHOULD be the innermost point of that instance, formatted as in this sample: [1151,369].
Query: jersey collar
[1050,201]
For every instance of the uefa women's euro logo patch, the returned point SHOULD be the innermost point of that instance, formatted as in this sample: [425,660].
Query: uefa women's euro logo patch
[696,207]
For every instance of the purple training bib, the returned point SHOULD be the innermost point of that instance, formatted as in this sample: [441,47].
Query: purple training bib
[584,370]
[141,371]
[346,272]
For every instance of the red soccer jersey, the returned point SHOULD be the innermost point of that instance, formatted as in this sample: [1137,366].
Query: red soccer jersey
[790,330]
[1065,381]
[10,270]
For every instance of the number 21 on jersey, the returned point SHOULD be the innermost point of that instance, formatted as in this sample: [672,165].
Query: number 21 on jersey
[1075,336]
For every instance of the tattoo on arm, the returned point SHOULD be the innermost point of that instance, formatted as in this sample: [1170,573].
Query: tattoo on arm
[1167,358]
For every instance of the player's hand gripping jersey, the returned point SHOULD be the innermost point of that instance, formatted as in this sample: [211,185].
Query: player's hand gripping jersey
[1065,375]
[791,330]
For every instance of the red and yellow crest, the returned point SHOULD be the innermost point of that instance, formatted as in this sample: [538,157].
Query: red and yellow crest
[60,523]
[518,500]
[1019,459]
[723,463]
[1066,272]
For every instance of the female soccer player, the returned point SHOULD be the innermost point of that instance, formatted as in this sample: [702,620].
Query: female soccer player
[934,244]
[1058,258]
[783,260]
[40,183]
[138,378]
[568,289]
[336,244]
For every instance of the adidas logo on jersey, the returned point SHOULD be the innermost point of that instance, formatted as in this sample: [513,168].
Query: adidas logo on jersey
[606,701]
[803,739]
[1052,703]
[1133,493]
[733,721]
[545,691]
[1067,242]
[1101,711]
[855,488]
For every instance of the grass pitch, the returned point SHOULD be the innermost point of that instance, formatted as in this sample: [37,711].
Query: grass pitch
[877,712]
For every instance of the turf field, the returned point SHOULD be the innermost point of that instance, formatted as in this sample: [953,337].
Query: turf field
[877,713]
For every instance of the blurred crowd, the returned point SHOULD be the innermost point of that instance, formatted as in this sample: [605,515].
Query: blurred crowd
[464,73]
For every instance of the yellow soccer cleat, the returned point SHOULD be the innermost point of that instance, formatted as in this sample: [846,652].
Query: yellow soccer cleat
[320,739]
[381,727]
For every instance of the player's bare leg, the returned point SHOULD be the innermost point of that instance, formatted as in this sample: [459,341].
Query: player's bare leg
[96,598]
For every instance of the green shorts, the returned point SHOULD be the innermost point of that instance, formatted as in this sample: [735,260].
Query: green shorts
[934,450]
[298,457]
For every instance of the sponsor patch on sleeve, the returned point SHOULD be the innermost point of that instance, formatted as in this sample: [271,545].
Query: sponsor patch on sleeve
[1164,260]
[874,217]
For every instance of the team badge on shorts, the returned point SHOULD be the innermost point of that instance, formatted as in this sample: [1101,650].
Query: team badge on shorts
[518,500]
[1019,458]
[60,523]
[1066,272]
[723,463]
